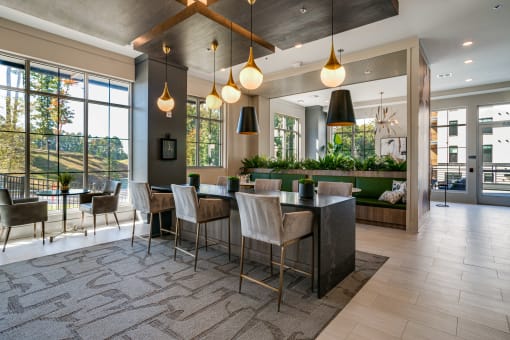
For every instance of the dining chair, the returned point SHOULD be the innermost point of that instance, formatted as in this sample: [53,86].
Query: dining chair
[262,184]
[19,212]
[148,202]
[222,180]
[104,202]
[295,185]
[189,208]
[262,220]
[334,188]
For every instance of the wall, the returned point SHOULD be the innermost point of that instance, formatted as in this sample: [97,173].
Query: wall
[470,98]
[30,42]
[288,109]
[150,124]
[236,147]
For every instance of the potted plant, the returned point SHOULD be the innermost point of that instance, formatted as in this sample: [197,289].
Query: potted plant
[194,180]
[305,188]
[64,179]
[233,184]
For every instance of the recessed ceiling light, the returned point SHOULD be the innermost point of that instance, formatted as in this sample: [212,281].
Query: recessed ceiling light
[301,101]
[303,10]
[445,75]
[469,61]
[469,80]
[496,7]
[467,43]
[298,45]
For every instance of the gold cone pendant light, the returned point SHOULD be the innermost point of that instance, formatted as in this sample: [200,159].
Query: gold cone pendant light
[251,76]
[213,100]
[230,91]
[333,73]
[165,102]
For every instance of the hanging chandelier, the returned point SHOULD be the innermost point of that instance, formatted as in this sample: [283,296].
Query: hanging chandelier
[165,102]
[230,92]
[251,76]
[384,121]
[213,100]
[333,73]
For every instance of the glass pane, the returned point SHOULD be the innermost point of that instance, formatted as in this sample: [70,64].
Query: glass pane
[12,72]
[210,155]
[119,92]
[43,114]
[494,112]
[278,121]
[119,154]
[119,122]
[191,128]
[215,114]
[43,154]
[204,111]
[210,132]
[71,83]
[191,107]
[71,154]
[98,154]
[12,153]
[97,180]
[71,117]
[47,181]
[98,120]
[99,89]
[191,154]
[496,158]
[43,78]
[12,111]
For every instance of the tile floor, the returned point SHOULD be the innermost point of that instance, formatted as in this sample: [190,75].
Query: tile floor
[450,281]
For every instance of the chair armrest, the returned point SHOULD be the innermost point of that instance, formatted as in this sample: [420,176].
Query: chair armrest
[161,201]
[25,200]
[102,204]
[23,213]
[87,198]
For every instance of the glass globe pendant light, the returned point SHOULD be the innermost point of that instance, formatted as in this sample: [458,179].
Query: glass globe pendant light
[230,92]
[213,100]
[165,102]
[251,76]
[333,73]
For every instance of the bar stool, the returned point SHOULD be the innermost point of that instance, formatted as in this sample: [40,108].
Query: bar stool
[267,185]
[189,208]
[262,220]
[222,180]
[334,188]
[148,202]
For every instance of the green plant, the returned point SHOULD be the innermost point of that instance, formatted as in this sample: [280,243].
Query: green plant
[194,175]
[65,178]
[233,178]
[305,181]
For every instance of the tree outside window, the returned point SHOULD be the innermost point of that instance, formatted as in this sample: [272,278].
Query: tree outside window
[287,136]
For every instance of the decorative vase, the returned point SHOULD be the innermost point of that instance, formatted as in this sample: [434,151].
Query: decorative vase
[64,188]
[233,185]
[194,181]
[306,190]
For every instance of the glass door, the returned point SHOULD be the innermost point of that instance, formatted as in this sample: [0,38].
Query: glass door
[494,154]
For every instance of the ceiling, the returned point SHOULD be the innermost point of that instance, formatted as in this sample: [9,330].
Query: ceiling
[441,25]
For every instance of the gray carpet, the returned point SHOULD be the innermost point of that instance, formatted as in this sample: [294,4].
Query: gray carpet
[115,291]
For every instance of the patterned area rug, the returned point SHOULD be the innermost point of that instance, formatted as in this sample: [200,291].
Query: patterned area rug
[115,291]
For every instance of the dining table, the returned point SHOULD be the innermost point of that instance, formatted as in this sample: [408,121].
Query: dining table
[334,230]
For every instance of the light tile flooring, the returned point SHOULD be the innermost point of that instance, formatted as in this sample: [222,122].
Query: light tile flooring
[450,281]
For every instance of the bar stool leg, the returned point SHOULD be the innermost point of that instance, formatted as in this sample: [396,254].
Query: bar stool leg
[35,230]
[229,239]
[280,286]
[271,258]
[177,224]
[94,224]
[205,229]
[196,245]
[43,233]
[150,234]
[116,219]
[242,264]
[313,260]
[133,233]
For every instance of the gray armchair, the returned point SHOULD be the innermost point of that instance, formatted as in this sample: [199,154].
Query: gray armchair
[20,212]
[101,203]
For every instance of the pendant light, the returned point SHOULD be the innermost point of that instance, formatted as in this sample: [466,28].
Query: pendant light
[248,123]
[333,73]
[341,112]
[213,100]
[251,76]
[384,121]
[165,102]
[230,91]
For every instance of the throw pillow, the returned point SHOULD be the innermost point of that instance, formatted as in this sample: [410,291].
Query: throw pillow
[391,196]
[400,186]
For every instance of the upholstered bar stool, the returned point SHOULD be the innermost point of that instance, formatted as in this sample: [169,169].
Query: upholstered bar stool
[334,188]
[189,208]
[222,180]
[267,185]
[19,212]
[262,220]
[104,202]
[148,202]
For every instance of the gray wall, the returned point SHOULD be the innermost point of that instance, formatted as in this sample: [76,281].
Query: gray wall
[150,124]
[315,132]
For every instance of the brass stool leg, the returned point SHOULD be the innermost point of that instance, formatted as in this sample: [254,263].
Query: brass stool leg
[133,233]
[150,234]
[280,286]
[313,259]
[160,224]
[242,264]
[196,245]
[205,230]
[176,238]
[271,258]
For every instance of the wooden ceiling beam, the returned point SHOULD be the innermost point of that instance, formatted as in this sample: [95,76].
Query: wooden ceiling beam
[197,7]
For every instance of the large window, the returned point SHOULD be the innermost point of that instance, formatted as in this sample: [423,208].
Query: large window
[448,149]
[357,141]
[287,137]
[204,134]
[77,123]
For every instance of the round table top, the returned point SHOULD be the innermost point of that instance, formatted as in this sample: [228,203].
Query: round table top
[60,193]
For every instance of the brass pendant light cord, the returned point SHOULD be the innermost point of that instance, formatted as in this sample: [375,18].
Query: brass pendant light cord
[251,25]
[231,46]
[331,22]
